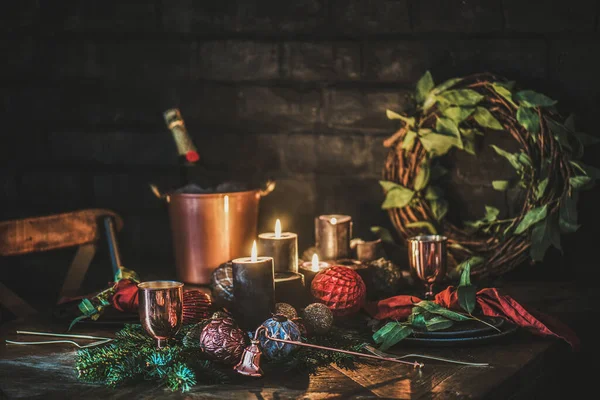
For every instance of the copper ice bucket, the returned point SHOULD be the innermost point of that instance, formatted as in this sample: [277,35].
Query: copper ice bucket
[210,229]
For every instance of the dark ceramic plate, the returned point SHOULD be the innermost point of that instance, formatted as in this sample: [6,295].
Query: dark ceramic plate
[464,329]
[506,329]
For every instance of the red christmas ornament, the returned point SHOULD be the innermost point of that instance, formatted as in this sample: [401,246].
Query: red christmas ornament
[196,306]
[340,288]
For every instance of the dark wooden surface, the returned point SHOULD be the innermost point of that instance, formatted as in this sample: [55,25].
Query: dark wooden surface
[522,366]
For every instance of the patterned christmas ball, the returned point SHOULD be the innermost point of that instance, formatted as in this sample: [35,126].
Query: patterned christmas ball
[223,341]
[196,306]
[317,318]
[221,284]
[286,309]
[386,279]
[279,327]
[340,288]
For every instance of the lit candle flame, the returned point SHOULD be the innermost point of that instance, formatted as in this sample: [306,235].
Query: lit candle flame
[226,203]
[278,229]
[333,221]
[315,262]
[254,253]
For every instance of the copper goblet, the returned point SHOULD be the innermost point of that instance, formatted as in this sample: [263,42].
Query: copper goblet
[427,260]
[161,309]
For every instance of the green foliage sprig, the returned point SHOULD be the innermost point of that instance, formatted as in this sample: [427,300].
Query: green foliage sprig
[430,316]
[133,357]
[452,116]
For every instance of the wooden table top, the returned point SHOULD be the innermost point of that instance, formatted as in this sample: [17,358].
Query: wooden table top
[521,366]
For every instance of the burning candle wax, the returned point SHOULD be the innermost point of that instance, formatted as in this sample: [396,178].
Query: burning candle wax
[310,269]
[253,289]
[333,233]
[282,246]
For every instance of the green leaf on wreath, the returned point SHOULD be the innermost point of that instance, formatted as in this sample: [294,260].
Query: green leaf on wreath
[541,188]
[410,121]
[437,145]
[433,192]
[424,86]
[530,120]
[383,234]
[533,216]
[447,127]
[579,182]
[512,158]
[543,235]
[397,196]
[458,114]
[529,98]
[87,308]
[438,323]
[439,208]
[491,214]
[423,224]
[409,140]
[469,140]
[389,185]
[422,177]
[590,171]
[501,185]
[485,118]
[504,92]
[437,309]
[567,220]
[560,133]
[446,85]
[461,97]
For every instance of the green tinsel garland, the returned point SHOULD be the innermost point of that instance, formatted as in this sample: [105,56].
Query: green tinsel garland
[132,356]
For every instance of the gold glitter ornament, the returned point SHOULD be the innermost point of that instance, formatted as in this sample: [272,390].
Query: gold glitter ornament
[286,309]
[317,318]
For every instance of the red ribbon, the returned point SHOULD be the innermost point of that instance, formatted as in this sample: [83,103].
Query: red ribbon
[126,297]
[491,303]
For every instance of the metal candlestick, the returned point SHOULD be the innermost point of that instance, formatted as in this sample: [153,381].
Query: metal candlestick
[332,236]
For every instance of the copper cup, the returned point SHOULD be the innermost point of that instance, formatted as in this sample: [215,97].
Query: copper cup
[427,260]
[161,309]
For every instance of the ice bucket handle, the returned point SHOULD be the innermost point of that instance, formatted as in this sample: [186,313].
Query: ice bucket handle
[268,188]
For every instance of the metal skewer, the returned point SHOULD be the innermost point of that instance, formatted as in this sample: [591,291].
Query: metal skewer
[415,364]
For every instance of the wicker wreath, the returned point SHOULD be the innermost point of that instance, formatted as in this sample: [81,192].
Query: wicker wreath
[450,116]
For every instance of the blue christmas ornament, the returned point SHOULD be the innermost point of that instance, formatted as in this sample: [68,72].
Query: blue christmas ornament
[279,327]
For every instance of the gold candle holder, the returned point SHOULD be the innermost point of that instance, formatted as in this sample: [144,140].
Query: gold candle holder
[333,233]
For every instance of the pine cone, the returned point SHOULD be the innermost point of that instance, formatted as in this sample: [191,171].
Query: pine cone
[223,341]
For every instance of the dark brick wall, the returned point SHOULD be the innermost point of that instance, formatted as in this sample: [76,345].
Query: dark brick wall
[295,90]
